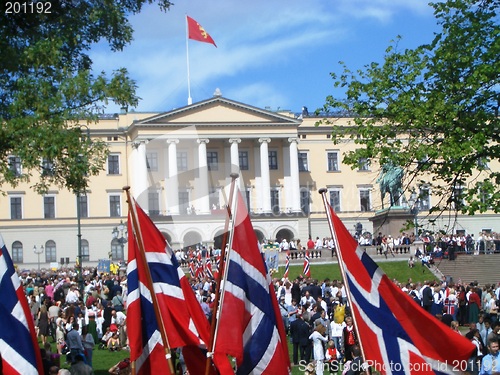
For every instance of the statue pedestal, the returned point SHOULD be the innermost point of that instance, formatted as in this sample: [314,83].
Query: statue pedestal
[391,221]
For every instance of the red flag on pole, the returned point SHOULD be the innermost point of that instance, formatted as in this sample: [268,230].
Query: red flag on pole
[181,313]
[250,327]
[19,349]
[197,32]
[397,335]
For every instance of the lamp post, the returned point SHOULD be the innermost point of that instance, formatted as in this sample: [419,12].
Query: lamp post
[38,251]
[120,234]
[413,203]
[78,193]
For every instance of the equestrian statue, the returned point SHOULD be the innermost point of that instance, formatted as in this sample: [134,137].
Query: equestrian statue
[390,181]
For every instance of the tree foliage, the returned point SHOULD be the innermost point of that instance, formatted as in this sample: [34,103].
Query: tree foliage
[47,85]
[434,109]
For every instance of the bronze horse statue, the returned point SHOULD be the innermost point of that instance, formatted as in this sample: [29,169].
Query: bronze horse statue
[390,181]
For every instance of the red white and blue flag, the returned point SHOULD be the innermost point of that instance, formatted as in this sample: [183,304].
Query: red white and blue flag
[249,327]
[287,265]
[396,334]
[184,321]
[19,349]
[208,268]
[307,267]
[192,272]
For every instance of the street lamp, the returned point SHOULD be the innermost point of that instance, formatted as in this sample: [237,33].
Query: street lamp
[413,203]
[38,251]
[120,234]
[78,193]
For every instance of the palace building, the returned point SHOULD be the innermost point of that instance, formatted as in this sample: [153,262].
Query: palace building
[178,166]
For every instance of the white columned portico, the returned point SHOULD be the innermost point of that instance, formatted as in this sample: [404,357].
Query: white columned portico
[265,177]
[235,161]
[235,155]
[294,174]
[173,178]
[202,194]
[140,182]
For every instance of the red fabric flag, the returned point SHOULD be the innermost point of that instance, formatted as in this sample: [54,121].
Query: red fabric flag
[250,327]
[19,349]
[183,318]
[398,336]
[197,32]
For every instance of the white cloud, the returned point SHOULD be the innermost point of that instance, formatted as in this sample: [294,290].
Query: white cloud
[252,38]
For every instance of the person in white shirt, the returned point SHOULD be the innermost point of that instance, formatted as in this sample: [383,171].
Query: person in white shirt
[119,318]
[319,244]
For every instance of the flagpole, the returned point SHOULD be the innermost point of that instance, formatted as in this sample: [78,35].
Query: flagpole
[154,299]
[190,100]
[222,267]
[323,191]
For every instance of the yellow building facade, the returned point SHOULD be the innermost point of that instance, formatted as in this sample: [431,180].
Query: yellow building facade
[178,165]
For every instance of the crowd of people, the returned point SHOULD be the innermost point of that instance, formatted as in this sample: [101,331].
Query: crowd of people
[316,315]
[70,322]
[317,318]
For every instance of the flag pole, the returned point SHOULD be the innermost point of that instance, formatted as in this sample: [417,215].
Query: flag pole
[190,100]
[323,191]
[140,243]
[222,267]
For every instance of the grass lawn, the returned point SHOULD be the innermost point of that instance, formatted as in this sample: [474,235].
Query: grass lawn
[398,270]
[103,359]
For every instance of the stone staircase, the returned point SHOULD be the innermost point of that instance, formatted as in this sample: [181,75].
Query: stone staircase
[483,268]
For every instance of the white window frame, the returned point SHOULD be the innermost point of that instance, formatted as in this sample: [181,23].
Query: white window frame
[152,159]
[337,153]
[119,164]
[55,205]
[120,202]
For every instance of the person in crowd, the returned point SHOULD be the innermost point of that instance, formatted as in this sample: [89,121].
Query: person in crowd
[356,366]
[490,364]
[75,343]
[349,338]
[79,367]
[299,334]
[113,343]
[88,345]
[43,323]
[474,305]
[318,338]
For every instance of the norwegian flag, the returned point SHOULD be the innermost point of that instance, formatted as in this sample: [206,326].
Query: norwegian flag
[287,265]
[200,272]
[19,349]
[184,321]
[208,268]
[397,335]
[307,267]
[250,327]
[217,266]
[192,272]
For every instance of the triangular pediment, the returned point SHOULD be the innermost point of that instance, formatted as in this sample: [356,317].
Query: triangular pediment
[218,111]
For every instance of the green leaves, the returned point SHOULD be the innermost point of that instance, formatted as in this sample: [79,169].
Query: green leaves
[48,86]
[433,109]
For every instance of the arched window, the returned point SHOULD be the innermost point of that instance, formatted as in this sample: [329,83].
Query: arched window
[17,252]
[50,251]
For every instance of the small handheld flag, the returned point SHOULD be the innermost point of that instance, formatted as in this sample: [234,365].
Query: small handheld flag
[307,268]
[287,265]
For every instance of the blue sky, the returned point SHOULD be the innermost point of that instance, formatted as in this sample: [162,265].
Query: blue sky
[276,54]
